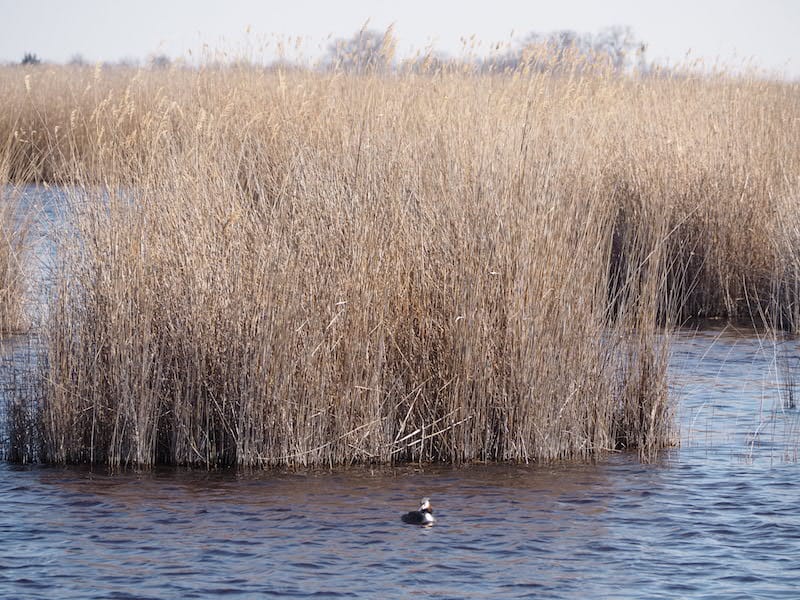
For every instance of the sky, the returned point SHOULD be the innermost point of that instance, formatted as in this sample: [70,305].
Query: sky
[763,33]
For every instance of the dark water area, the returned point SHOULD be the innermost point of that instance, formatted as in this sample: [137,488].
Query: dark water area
[716,517]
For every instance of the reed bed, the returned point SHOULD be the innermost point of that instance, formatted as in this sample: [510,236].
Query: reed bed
[15,247]
[294,269]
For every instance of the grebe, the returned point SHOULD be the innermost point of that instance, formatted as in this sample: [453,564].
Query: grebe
[423,516]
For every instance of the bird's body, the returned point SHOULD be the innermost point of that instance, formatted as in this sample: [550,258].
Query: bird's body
[423,516]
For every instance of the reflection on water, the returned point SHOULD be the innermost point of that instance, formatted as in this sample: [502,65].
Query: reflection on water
[738,394]
[41,212]
[716,517]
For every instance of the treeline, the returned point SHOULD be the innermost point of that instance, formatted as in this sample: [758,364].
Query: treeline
[616,48]
[374,51]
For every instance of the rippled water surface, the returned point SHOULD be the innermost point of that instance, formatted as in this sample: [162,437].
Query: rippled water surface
[717,517]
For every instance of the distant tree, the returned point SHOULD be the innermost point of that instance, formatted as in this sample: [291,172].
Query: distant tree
[642,64]
[613,46]
[617,44]
[565,42]
[128,62]
[30,59]
[77,60]
[368,51]
[160,61]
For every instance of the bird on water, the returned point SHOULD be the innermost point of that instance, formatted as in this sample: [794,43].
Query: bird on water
[423,516]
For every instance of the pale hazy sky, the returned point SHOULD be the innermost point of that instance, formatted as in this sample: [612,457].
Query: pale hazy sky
[767,32]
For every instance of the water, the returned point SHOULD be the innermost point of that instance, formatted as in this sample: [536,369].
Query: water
[715,518]
[40,211]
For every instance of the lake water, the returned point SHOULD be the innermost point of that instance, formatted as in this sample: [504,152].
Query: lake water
[716,517]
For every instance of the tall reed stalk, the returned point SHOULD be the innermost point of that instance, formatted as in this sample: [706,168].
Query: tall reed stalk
[15,247]
[290,269]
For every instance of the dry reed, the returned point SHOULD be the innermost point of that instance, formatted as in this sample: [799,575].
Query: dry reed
[288,269]
[15,246]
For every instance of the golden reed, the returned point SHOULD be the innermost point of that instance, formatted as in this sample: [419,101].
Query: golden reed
[274,268]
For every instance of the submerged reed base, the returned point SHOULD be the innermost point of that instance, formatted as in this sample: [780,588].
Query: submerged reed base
[273,269]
